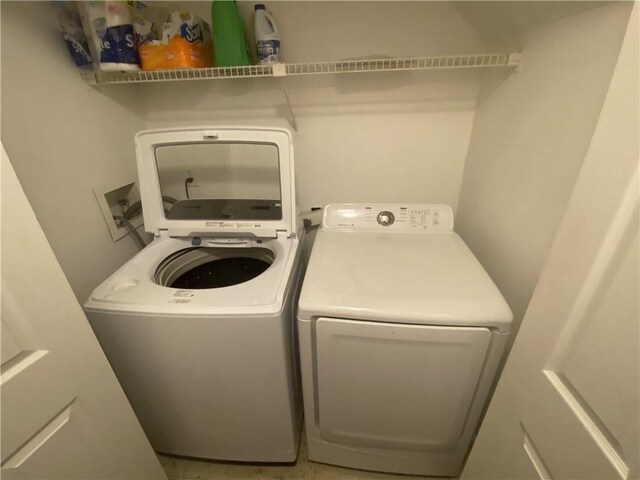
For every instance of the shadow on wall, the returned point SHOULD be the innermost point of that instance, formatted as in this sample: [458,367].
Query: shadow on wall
[500,22]
[365,93]
[65,137]
[327,31]
[50,46]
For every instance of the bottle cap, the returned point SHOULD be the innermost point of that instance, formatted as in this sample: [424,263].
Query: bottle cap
[259,6]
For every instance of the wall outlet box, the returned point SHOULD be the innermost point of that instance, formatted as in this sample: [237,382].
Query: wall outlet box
[114,198]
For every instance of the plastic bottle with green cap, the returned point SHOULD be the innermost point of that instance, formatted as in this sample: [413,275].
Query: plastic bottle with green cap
[229,41]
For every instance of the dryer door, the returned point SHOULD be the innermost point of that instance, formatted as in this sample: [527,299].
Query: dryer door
[398,386]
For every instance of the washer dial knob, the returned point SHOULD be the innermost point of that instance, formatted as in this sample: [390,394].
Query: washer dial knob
[386,218]
[228,210]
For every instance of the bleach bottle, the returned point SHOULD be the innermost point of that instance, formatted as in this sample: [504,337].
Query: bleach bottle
[267,37]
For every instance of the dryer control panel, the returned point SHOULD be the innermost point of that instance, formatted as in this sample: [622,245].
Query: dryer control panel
[389,217]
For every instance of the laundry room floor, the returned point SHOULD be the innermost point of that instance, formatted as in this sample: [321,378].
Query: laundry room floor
[178,468]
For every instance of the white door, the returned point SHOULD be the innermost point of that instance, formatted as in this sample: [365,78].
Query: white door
[64,415]
[567,405]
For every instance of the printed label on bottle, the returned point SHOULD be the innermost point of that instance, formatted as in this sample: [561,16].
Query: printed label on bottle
[117,45]
[268,50]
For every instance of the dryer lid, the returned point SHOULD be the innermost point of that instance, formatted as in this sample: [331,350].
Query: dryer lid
[217,181]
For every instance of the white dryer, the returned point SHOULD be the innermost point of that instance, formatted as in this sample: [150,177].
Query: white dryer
[199,326]
[401,333]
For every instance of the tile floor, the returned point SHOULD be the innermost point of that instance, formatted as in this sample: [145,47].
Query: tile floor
[178,468]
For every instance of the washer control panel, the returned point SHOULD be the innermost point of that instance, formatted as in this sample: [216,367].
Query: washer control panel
[389,217]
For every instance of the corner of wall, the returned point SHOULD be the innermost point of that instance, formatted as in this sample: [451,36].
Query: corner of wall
[529,139]
[64,137]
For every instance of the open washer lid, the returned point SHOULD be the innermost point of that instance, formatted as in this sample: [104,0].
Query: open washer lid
[217,181]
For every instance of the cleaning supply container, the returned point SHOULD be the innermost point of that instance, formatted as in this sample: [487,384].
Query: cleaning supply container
[229,41]
[267,36]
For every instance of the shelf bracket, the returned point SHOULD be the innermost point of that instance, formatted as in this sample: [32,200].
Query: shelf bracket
[292,117]
[279,70]
[515,60]
[90,78]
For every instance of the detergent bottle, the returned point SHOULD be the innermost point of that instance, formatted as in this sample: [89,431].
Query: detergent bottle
[229,41]
[267,36]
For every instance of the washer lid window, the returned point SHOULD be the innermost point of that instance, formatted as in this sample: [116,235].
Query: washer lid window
[227,181]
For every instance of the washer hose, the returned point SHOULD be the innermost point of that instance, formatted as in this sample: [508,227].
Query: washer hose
[132,212]
[132,230]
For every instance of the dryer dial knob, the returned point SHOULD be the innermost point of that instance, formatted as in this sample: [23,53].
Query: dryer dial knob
[386,218]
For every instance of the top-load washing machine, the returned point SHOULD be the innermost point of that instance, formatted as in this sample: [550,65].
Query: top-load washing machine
[401,333]
[199,326]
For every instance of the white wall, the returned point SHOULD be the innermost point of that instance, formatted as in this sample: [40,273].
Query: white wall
[369,137]
[377,137]
[64,137]
[400,136]
[529,139]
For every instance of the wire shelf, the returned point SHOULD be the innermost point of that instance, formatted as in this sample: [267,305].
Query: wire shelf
[394,64]
[110,78]
[287,69]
